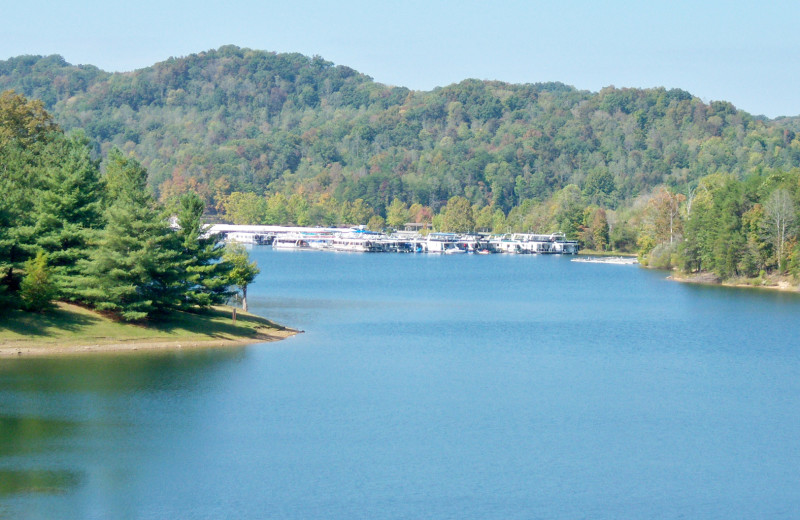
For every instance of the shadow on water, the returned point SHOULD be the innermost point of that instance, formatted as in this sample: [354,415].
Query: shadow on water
[17,482]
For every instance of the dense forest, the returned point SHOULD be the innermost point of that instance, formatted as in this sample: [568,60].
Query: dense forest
[285,138]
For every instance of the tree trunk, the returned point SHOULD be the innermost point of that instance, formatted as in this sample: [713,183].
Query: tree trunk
[244,298]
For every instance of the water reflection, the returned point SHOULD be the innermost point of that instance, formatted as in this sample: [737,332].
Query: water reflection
[118,373]
[26,434]
[15,482]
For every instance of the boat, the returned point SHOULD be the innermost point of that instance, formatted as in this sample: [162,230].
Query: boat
[453,250]
[440,242]
[616,260]
[290,242]
[355,244]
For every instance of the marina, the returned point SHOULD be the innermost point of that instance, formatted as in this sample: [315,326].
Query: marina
[360,240]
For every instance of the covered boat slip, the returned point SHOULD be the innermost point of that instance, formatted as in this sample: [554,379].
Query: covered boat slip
[363,241]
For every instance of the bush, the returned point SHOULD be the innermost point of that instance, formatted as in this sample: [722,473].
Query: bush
[663,256]
[37,290]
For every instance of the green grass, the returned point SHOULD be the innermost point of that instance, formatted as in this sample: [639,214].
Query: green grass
[68,324]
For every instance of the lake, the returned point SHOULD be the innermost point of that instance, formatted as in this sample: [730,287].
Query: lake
[424,386]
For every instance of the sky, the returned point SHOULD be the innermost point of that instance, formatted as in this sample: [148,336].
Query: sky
[747,53]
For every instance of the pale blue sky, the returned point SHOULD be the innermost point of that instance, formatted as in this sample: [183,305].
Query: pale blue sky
[747,53]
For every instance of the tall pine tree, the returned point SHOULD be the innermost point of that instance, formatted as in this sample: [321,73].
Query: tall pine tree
[133,270]
[68,211]
[205,277]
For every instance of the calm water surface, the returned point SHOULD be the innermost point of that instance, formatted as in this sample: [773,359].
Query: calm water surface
[463,387]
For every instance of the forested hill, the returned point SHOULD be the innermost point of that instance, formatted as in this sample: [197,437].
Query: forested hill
[240,120]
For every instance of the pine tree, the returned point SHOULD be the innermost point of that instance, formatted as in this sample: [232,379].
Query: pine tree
[133,270]
[68,211]
[205,276]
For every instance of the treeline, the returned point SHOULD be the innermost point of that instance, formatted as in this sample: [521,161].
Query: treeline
[733,228]
[239,120]
[69,233]
[290,139]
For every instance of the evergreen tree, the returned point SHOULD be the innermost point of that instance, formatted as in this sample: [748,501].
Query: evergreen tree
[133,270]
[68,211]
[205,276]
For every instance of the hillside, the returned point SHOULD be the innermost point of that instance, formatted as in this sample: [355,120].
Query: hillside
[242,120]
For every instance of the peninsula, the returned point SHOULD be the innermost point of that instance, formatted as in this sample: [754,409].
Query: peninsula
[72,329]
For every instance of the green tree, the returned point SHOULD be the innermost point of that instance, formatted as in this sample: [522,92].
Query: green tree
[37,289]
[18,180]
[298,208]
[68,210]
[356,213]
[483,219]
[242,272]
[26,130]
[246,208]
[568,210]
[397,214]
[599,229]
[457,216]
[599,186]
[278,210]
[204,275]
[134,269]
[499,222]
[376,223]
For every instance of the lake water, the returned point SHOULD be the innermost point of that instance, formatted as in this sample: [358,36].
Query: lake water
[441,387]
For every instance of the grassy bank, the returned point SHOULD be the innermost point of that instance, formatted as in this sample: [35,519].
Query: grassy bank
[73,329]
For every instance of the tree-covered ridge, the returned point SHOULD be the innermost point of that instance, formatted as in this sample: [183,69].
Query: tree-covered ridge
[48,78]
[238,120]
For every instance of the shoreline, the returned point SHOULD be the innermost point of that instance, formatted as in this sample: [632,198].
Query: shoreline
[73,330]
[153,345]
[781,285]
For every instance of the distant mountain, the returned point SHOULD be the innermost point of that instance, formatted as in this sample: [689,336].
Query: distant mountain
[236,119]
